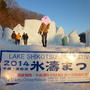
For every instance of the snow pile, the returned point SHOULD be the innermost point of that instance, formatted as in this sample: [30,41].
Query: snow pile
[74,39]
[6,45]
[46,86]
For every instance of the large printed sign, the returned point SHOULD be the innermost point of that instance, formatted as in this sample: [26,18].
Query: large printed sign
[45,66]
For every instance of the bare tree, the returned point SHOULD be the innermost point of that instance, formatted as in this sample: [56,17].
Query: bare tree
[3,4]
[11,14]
[11,3]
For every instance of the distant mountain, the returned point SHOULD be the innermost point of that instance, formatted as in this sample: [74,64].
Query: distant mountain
[11,14]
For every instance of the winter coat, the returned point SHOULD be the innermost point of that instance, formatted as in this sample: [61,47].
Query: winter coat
[13,36]
[18,36]
[25,36]
[44,28]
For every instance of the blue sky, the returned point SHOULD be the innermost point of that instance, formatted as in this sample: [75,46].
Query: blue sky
[70,14]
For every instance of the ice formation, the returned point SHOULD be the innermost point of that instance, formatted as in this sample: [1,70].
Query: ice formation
[57,39]
[7,34]
[54,37]
[1,31]
[74,38]
[31,27]
[88,38]
[18,29]
[60,32]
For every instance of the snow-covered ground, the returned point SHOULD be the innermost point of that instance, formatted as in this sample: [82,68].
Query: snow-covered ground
[9,45]
[47,86]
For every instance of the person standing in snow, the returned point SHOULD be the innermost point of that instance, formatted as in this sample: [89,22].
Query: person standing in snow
[18,37]
[43,30]
[25,38]
[13,36]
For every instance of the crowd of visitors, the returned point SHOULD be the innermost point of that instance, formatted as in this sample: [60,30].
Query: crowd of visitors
[17,37]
